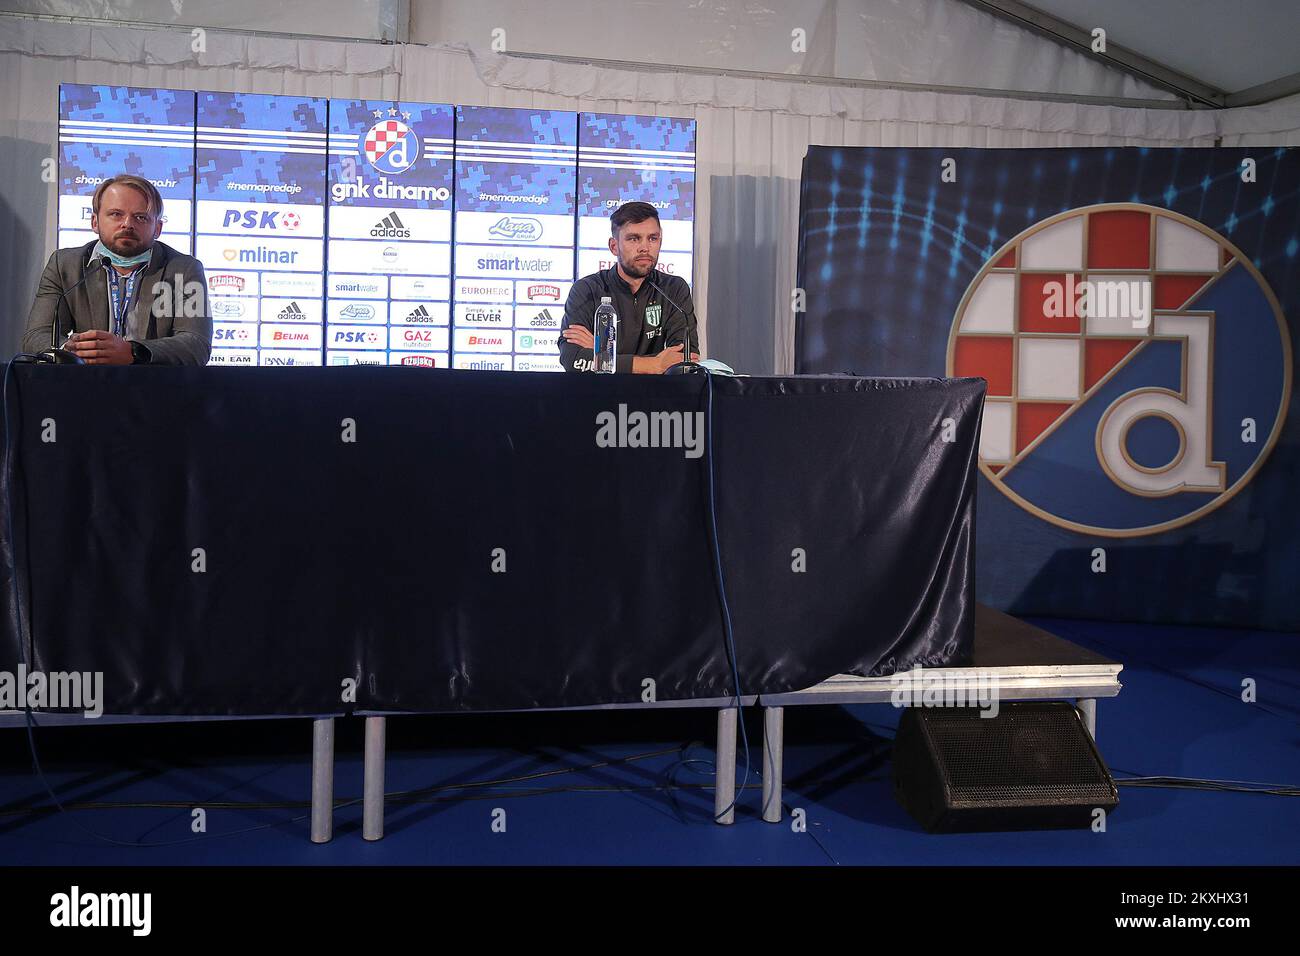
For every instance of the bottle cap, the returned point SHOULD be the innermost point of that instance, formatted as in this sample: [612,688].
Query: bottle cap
[605,300]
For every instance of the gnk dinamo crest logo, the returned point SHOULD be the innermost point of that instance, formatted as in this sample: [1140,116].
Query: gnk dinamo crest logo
[391,146]
[1138,368]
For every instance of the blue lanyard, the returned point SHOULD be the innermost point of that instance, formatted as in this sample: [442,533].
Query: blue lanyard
[121,303]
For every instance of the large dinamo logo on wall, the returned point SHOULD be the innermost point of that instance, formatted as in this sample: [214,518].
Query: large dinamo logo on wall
[1138,368]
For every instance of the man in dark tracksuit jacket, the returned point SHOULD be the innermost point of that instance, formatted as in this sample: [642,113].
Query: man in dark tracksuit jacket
[651,326]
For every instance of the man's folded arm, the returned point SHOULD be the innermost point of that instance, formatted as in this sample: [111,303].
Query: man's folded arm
[579,309]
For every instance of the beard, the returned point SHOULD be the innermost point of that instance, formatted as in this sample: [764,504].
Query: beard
[131,245]
[638,270]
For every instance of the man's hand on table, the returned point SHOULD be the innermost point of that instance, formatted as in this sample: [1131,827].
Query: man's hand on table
[97,347]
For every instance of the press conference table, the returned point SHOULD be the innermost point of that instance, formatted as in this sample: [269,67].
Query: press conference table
[323,541]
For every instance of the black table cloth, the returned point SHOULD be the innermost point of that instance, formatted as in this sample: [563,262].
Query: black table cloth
[257,541]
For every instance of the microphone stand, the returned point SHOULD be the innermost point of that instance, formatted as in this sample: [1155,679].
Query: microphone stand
[55,354]
[685,366]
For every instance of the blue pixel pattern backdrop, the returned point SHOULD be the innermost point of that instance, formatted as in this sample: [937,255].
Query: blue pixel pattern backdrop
[107,130]
[636,158]
[1136,466]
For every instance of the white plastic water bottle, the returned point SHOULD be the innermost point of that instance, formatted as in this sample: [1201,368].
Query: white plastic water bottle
[605,350]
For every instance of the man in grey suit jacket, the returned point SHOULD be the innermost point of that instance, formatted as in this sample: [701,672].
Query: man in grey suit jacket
[142,302]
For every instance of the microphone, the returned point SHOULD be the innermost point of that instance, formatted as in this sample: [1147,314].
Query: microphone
[55,354]
[685,366]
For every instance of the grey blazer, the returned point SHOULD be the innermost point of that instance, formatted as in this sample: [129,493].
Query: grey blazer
[177,333]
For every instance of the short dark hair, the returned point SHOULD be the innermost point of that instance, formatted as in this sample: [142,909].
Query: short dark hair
[631,212]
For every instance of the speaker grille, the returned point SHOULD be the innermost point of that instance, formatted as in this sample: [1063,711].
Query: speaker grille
[1030,754]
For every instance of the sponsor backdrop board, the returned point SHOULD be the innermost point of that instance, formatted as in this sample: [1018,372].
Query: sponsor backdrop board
[260,225]
[388,289]
[359,232]
[1134,313]
[108,130]
[636,158]
[516,173]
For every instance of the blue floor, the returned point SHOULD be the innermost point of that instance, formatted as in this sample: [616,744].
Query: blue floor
[594,785]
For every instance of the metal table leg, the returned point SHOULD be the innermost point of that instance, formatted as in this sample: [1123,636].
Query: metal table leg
[372,792]
[724,784]
[773,751]
[1088,710]
[322,780]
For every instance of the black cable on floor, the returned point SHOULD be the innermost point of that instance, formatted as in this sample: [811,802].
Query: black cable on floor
[1201,783]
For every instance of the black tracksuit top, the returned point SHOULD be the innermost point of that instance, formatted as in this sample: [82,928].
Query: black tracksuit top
[647,321]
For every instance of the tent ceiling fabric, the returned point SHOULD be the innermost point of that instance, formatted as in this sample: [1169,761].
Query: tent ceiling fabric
[935,43]
[1231,47]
